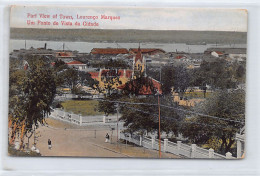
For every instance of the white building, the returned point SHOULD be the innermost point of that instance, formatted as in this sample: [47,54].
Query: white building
[78,65]
[217,53]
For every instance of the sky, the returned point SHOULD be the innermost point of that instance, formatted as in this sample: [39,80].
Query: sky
[197,19]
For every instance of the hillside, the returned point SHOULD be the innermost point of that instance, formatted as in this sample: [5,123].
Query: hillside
[99,35]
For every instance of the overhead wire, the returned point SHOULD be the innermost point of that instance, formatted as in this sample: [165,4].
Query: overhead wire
[170,118]
[175,108]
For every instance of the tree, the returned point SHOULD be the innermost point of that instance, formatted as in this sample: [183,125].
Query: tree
[70,77]
[141,116]
[229,107]
[181,79]
[167,79]
[107,106]
[84,78]
[153,72]
[31,94]
[240,72]
[60,65]
[111,80]
[139,86]
[116,64]
[217,74]
[58,72]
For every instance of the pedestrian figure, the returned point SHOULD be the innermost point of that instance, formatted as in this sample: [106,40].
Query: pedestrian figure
[49,143]
[107,137]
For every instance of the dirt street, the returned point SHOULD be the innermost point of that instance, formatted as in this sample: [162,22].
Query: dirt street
[87,141]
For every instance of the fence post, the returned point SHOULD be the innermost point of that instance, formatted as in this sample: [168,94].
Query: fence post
[140,143]
[70,117]
[129,137]
[153,140]
[178,147]
[239,149]
[54,114]
[228,155]
[104,119]
[63,115]
[211,153]
[193,150]
[80,120]
[165,144]
[118,133]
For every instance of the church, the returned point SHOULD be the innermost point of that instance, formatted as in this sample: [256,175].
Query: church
[140,83]
[133,81]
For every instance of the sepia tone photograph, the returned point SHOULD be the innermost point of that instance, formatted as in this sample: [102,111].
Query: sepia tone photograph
[127,82]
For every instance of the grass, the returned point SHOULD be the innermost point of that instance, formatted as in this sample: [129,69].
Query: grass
[58,124]
[14,152]
[83,107]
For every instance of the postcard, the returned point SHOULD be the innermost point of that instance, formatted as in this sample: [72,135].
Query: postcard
[127,82]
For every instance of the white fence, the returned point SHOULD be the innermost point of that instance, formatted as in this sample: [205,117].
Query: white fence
[79,119]
[178,148]
[73,96]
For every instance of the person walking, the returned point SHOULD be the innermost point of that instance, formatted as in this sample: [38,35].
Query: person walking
[107,138]
[49,143]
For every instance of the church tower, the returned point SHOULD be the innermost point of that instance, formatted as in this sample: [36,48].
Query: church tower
[138,64]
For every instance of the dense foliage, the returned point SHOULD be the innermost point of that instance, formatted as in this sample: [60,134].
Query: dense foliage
[31,92]
[229,108]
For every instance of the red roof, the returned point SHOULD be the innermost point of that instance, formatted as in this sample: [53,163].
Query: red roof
[145,90]
[64,54]
[219,53]
[146,50]
[128,73]
[94,75]
[179,57]
[158,85]
[75,63]
[109,51]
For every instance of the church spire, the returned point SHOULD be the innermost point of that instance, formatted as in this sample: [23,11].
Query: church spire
[139,55]
[138,64]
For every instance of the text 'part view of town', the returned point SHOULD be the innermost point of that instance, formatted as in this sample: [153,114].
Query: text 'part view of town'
[127,99]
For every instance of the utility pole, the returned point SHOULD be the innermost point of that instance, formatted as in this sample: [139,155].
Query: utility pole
[111,135]
[159,125]
[160,74]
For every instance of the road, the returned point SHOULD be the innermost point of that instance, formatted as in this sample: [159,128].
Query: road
[87,141]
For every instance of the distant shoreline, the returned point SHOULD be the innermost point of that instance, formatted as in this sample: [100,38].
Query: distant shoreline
[129,36]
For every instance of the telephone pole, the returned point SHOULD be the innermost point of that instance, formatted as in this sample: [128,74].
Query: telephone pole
[160,73]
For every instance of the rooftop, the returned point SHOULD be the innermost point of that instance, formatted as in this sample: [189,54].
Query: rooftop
[228,50]
[146,50]
[109,51]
